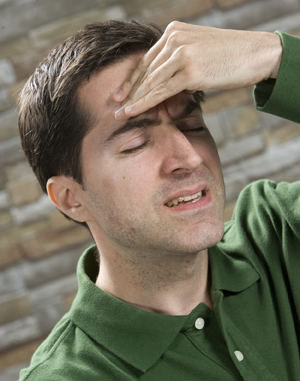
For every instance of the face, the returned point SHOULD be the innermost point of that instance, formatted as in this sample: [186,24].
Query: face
[152,184]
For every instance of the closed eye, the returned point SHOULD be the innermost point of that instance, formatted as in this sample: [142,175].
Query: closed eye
[135,149]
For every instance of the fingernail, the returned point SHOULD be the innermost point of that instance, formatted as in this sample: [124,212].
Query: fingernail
[128,110]
[120,114]
[118,95]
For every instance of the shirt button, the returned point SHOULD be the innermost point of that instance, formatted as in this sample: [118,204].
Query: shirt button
[199,323]
[239,355]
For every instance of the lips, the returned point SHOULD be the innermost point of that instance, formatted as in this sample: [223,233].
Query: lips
[186,196]
[187,199]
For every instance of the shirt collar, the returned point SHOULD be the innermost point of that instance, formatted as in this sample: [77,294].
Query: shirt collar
[137,336]
[134,335]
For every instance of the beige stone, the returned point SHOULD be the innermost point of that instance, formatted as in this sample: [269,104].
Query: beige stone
[58,221]
[19,234]
[14,91]
[229,207]
[19,355]
[226,4]
[69,300]
[225,99]
[177,10]
[134,7]
[20,169]
[5,220]
[24,190]
[63,28]
[46,244]
[14,309]
[25,63]
[8,125]
[296,32]
[279,135]
[246,121]
[14,47]
[9,254]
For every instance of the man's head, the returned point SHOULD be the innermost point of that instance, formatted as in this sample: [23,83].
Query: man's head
[130,182]
[52,120]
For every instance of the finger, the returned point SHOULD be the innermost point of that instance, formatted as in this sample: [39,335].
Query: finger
[124,90]
[162,74]
[159,94]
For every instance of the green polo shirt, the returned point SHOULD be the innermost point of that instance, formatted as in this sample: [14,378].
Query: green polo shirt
[252,334]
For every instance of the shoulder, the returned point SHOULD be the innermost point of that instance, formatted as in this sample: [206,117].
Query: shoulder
[45,360]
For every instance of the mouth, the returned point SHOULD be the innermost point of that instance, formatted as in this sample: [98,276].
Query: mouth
[186,199]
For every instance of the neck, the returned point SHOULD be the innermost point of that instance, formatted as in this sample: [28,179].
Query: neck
[172,286]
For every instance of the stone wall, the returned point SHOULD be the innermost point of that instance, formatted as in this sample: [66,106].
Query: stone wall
[39,249]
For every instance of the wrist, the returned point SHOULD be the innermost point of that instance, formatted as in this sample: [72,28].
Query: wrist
[275,55]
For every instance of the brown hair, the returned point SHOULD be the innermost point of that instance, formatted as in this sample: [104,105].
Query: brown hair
[52,122]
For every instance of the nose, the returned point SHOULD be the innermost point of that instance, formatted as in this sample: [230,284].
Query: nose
[179,154]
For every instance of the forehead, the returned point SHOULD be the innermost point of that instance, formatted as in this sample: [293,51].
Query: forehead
[96,94]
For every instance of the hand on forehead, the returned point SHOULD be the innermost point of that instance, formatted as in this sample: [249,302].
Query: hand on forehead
[174,106]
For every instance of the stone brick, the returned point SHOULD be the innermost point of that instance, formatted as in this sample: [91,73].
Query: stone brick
[176,10]
[268,121]
[14,91]
[58,221]
[296,32]
[20,169]
[8,124]
[5,220]
[40,296]
[46,244]
[50,268]
[4,202]
[18,46]
[226,4]
[10,281]
[280,135]
[19,332]
[11,151]
[26,63]
[50,313]
[236,150]
[225,99]
[32,212]
[5,99]
[12,373]
[214,122]
[29,14]
[241,120]
[7,73]
[9,255]
[136,7]
[18,355]
[248,14]
[21,233]
[14,307]
[69,300]
[24,190]
[288,23]
[228,211]
[234,183]
[58,31]
[275,159]
[287,174]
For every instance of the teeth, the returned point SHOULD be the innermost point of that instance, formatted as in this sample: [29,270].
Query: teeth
[193,198]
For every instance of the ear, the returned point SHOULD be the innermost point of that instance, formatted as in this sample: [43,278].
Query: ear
[68,196]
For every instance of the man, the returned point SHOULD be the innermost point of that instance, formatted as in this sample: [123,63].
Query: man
[174,297]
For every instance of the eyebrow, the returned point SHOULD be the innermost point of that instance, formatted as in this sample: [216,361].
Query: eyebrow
[139,122]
